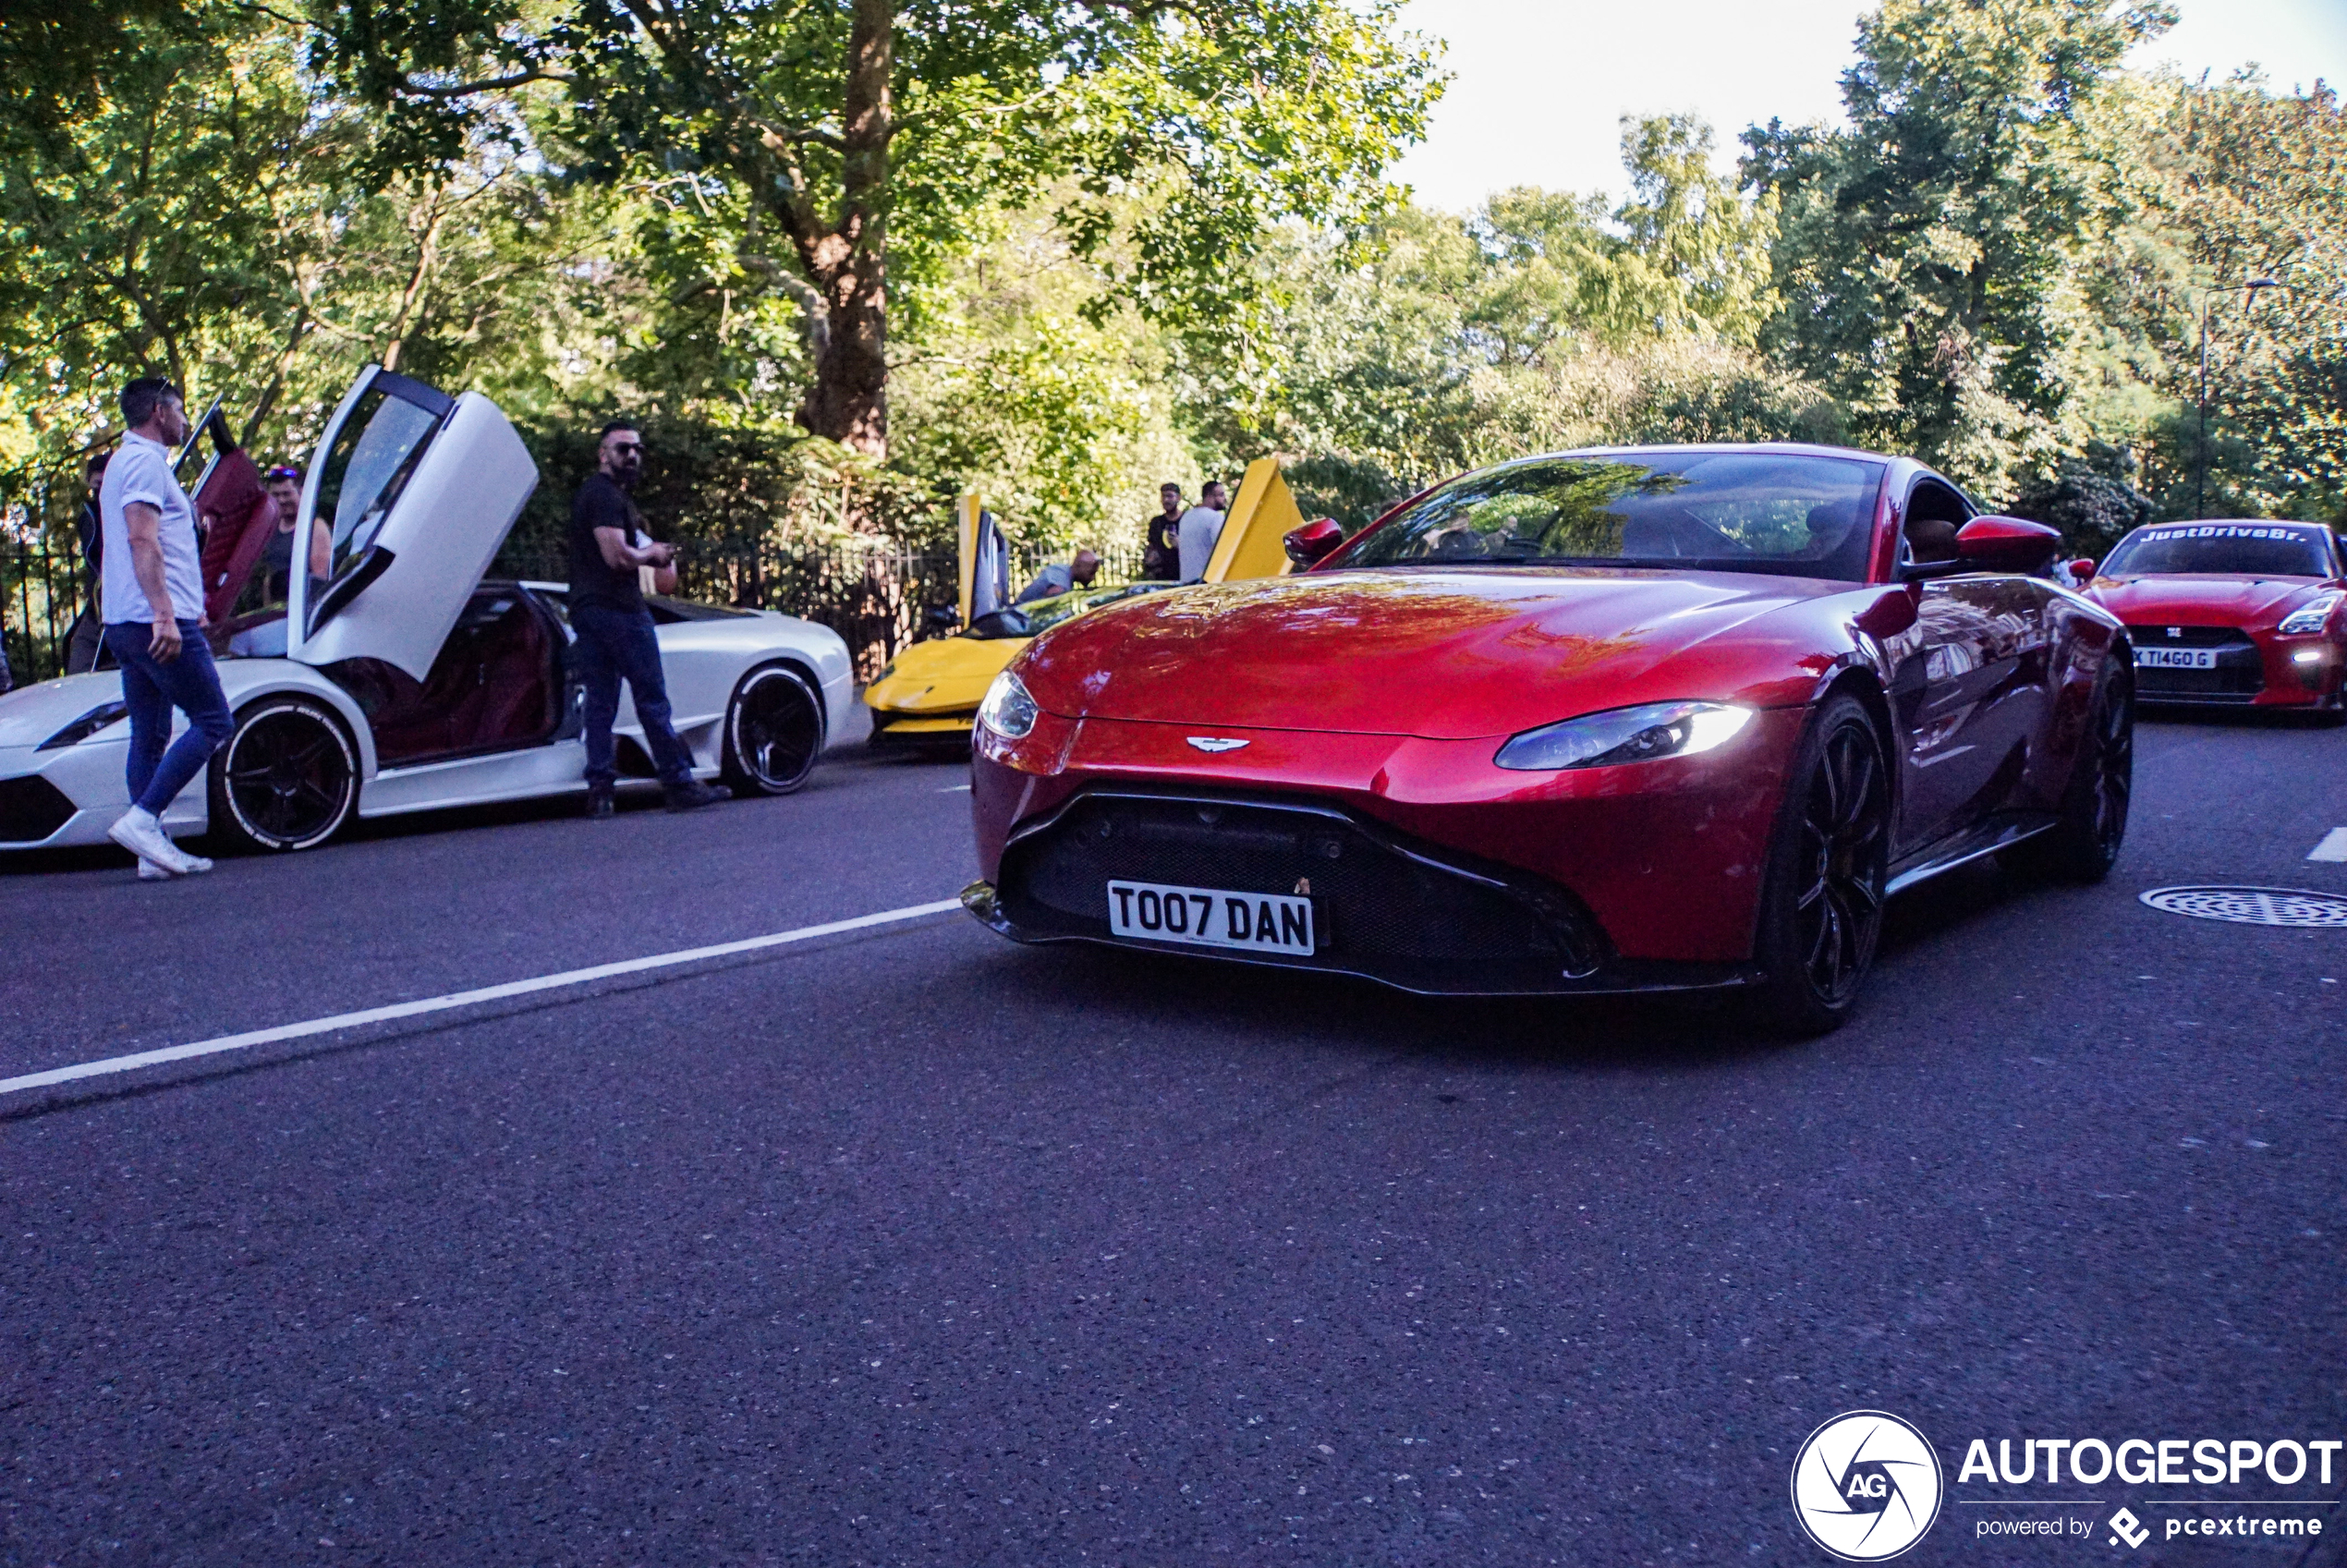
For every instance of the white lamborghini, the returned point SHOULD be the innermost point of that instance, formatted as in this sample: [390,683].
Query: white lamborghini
[401,681]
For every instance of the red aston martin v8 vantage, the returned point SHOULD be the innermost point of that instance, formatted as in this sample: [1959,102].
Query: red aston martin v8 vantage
[1615,720]
[2232,613]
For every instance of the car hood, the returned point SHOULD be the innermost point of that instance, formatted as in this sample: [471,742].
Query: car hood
[31,714]
[2226,601]
[1440,654]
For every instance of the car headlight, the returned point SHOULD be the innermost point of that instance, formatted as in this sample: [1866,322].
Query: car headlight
[2308,618]
[1626,734]
[1008,711]
[81,729]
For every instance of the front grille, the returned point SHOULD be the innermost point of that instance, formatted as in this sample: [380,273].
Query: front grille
[31,809]
[2239,676]
[1384,905]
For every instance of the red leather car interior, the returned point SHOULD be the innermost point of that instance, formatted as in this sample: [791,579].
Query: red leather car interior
[242,517]
[496,686]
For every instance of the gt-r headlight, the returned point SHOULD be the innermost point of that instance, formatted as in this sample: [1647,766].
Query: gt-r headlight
[2308,618]
[1626,734]
[81,729]
[1008,711]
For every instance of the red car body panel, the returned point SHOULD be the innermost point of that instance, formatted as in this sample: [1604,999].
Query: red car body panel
[1386,693]
[2252,606]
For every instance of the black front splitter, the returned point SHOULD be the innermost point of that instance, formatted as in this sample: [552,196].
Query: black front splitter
[1619,976]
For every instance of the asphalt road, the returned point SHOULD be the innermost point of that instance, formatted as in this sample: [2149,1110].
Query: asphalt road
[913,1247]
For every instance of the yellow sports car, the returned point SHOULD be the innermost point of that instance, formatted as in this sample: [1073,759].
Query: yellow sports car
[929,694]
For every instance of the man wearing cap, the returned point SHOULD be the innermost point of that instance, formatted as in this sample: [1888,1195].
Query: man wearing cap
[283,483]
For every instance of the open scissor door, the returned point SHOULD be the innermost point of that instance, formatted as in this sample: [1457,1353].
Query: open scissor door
[1253,540]
[418,489]
[984,561]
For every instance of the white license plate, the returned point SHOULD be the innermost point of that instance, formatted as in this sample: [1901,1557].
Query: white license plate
[2175,658]
[1206,917]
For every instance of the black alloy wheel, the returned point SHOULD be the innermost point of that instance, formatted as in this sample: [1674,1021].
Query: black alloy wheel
[1821,916]
[2083,844]
[287,779]
[774,732]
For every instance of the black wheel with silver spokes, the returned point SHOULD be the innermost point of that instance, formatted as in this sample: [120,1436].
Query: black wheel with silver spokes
[1821,914]
[774,730]
[2084,843]
[286,779]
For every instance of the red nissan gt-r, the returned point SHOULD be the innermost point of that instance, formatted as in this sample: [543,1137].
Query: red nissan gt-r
[1646,718]
[2232,613]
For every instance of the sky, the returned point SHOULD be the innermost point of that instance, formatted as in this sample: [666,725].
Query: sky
[1539,86]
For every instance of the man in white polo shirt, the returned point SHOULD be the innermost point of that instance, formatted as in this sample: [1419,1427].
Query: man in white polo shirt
[154,597]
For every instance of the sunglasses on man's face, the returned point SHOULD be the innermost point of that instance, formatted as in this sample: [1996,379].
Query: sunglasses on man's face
[626,448]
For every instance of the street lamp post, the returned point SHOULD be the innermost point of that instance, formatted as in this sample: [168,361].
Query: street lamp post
[2200,486]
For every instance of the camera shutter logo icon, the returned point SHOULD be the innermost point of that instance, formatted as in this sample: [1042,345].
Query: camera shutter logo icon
[1867,1485]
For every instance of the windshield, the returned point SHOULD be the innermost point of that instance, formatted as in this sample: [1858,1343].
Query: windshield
[1040,614]
[2270,549]
[1730,511]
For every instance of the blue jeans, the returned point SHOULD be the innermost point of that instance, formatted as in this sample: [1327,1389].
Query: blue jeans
[616,645]
[150,690]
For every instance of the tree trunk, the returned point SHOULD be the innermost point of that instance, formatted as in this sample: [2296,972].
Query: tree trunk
[848,402]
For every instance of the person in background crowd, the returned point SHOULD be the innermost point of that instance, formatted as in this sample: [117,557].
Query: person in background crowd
[89,626]
[1201,526]
[154,598]
[608,546]
[1161,538]
[269,638]
[1057,578]
[276,557]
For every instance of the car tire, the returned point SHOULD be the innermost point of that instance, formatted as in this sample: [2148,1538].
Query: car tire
[1822,898]
[2083,844]
[774,730]
[287,779]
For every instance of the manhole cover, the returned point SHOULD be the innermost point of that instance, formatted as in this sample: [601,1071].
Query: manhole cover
[2253,906]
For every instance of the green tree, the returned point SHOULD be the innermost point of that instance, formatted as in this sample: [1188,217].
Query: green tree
[1931,252]
[840,142]
[2246,186]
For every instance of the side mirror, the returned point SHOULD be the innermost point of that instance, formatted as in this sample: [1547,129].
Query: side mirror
[1311,544]
[2006,544]
[2082,570]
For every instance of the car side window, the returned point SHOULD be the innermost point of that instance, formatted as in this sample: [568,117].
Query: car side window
[1934,513]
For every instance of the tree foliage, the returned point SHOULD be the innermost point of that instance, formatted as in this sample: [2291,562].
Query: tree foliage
[835,142]
[1089,248]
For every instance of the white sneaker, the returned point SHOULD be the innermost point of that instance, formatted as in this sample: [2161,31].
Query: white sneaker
[151,872]
[137,832]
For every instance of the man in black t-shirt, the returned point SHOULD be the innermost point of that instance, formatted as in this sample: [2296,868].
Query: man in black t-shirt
[1161,538]
[616,642]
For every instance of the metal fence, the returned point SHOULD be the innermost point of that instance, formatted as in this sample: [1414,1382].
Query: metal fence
[874,594]
[44,585]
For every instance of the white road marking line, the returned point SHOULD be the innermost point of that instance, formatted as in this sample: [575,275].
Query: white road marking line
[2332,847]
[464,998]
[964,789]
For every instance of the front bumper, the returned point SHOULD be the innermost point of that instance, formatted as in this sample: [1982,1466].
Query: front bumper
[1388,906]
[939,730]
[2261,671]
[71,796]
